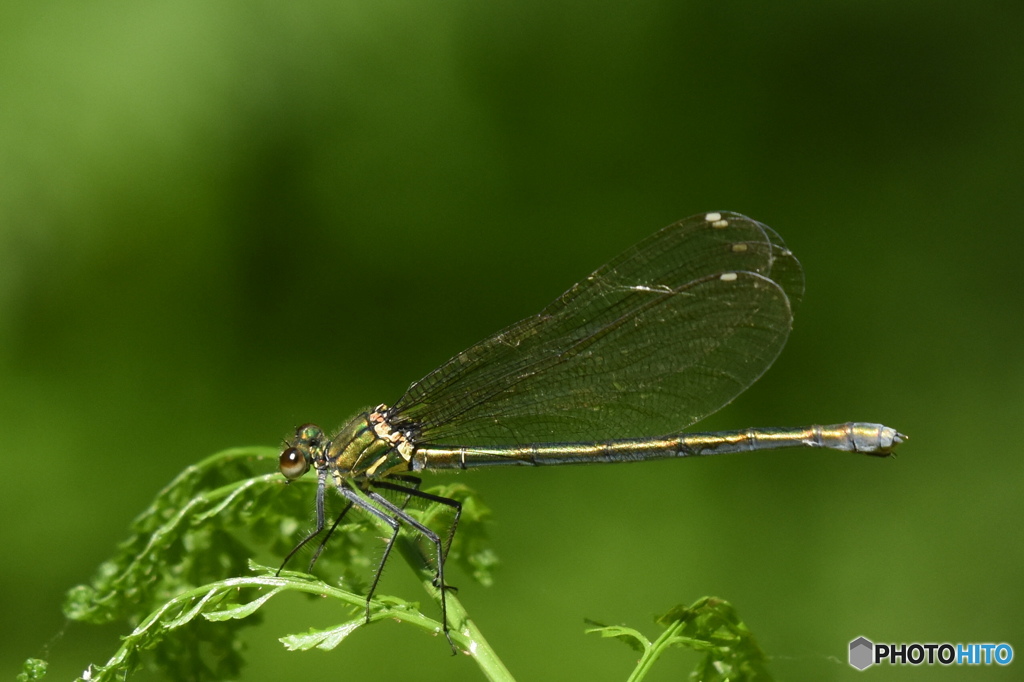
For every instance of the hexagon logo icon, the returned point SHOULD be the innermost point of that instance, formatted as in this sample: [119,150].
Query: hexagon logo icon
[861,653]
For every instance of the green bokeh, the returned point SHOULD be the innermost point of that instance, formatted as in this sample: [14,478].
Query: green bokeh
[218,220]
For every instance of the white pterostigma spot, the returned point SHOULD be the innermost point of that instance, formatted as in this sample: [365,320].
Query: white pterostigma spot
[739,248]
[716,220]
[727,277]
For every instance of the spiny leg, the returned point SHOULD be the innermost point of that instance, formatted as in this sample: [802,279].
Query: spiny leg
[415,492]
[442,551]
[383,561]
[447,501]
[320,522]
[415,482]
[323,543]
[353,498]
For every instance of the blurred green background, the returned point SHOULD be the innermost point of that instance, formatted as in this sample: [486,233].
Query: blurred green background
[219,220]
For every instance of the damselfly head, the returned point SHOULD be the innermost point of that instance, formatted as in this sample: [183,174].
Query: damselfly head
[296,459]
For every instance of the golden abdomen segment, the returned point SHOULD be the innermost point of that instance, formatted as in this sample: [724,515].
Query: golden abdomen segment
[860,437]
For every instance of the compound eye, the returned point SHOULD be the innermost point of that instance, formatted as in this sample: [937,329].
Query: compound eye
[293,463]
[309,433]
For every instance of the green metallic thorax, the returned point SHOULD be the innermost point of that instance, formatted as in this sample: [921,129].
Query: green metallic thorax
[357,452]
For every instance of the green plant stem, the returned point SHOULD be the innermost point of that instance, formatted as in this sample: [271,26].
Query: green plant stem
[464,630]
[653,652]
[188,605]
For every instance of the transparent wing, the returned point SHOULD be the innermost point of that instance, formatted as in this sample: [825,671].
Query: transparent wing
[662,336]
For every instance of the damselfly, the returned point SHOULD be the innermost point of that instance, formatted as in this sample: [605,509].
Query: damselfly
[612,371]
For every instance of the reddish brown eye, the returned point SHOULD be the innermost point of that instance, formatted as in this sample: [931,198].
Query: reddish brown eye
[293,464]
